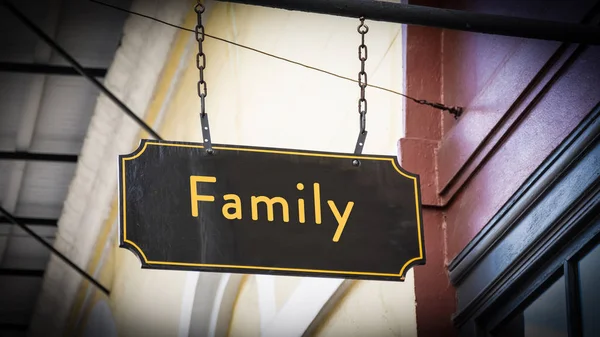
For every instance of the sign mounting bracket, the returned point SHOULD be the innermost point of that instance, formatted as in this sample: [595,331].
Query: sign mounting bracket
[360,143]
[206,133]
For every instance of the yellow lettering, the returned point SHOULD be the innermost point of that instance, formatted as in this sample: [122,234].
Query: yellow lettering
[317,193]
[301,216]
[195,198]
[237,205]
[269,202]
[341,219]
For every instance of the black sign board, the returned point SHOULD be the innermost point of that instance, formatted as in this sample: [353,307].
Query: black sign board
[269,211]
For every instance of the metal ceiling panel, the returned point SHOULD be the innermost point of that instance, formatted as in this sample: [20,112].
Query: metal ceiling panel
[90,32]
[45,186]
[4,176]
[13,92]
[18,44]
[65,113]
[23,252]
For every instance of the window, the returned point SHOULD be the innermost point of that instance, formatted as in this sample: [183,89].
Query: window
[544,317]
[589,279]
[552,312]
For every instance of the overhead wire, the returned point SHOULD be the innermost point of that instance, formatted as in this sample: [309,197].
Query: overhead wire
[456,111]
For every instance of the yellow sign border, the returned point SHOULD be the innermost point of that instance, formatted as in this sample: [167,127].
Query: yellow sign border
[144,144]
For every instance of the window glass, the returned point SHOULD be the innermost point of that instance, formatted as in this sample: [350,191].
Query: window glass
[589,279]
[545,317]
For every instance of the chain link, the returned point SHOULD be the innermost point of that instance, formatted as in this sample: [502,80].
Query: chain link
[200,58]
[201,65]
[362,75]
[362,83]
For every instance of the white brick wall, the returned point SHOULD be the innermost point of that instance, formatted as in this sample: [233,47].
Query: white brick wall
[132,77]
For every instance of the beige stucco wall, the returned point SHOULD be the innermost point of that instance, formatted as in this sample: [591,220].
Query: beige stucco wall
[260,101]
[373,308]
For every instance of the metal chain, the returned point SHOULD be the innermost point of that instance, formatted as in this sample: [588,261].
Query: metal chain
[362,75]
[362,83]
[200,57]
[201,65]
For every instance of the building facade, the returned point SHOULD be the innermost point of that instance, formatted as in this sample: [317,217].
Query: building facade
[509,189]
[511,220]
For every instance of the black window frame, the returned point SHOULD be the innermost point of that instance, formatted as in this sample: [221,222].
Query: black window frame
[500,272]
[564,262]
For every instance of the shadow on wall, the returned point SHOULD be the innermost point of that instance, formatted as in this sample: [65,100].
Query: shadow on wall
[100,323]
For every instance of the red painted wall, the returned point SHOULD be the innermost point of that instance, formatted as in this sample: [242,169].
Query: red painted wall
[522,97]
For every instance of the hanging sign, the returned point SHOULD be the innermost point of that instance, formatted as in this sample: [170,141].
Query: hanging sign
[269,211]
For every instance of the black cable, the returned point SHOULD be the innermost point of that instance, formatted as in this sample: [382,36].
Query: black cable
[456,111]
[39,239]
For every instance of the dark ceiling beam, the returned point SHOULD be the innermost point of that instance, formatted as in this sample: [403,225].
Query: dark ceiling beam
[21,272]
[31,221]
[441,18]
[13,327]
[66,158]
[48,69]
